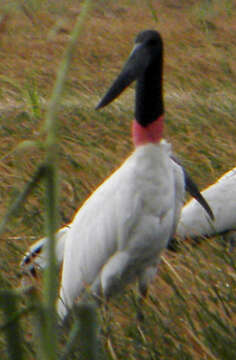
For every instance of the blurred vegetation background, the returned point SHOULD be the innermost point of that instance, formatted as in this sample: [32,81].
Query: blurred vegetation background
[190,313]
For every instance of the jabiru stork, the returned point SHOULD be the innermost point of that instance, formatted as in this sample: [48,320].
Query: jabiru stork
[120,232]
[118,235]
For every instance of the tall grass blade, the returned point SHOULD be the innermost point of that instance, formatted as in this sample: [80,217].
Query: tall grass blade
[152,10]
[40,172]
[8,303]
[83,335]
[51,126]
[88,331]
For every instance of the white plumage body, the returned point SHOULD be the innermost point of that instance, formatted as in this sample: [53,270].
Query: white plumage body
[120,231]
[36,256]
[221,197]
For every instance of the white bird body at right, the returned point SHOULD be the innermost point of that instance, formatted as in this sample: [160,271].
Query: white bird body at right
[221,196]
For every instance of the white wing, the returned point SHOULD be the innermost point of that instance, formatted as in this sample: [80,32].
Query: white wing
[179,191]
[151,271]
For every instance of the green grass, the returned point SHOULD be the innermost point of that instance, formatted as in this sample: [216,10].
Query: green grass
[190,311]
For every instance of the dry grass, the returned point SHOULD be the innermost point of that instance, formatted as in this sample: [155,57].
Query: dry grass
[200,62]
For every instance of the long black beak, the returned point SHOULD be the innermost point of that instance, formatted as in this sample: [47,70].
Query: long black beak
[193,190]
[134,67]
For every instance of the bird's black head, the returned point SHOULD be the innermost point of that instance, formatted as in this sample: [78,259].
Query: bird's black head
[145,65]
[151,39]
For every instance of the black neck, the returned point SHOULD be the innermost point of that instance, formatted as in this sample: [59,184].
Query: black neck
[149,103]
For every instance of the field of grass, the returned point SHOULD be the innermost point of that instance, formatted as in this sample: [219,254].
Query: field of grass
[191,310]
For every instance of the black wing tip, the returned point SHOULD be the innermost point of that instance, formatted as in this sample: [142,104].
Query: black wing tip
[98,106]
[192,188]
[210,212]
[205,205]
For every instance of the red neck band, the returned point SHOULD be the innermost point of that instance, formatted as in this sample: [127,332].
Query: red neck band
[149,134]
